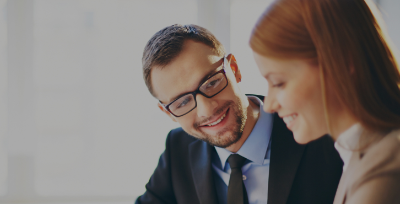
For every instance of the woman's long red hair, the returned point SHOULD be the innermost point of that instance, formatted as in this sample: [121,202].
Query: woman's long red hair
[346,39]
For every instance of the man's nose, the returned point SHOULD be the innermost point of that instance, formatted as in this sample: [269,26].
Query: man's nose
[271,105]
[205,106]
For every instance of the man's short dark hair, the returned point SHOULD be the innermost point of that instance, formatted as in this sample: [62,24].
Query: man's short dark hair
[167,44]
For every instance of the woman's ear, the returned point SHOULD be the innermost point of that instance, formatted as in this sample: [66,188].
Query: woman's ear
[234,66]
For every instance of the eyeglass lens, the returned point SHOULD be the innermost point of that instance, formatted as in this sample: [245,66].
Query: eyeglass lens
[209,88]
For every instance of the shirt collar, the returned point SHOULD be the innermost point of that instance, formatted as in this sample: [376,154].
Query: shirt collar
[347,142]
[256,145]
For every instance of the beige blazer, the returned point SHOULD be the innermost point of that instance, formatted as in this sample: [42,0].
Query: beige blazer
[373,176]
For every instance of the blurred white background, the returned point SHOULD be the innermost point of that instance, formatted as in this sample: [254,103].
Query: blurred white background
[77,124]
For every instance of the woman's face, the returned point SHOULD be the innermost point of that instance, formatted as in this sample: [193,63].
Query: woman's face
[294,92]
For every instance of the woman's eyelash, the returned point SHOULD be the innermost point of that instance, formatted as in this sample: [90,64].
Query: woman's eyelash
[278,85]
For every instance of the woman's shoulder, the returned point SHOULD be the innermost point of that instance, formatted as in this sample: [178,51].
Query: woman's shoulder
[381,159]
[391,139]
[388,146]
[376,175]
[385,152]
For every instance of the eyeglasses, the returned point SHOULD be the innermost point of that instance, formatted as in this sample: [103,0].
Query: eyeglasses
[211,87]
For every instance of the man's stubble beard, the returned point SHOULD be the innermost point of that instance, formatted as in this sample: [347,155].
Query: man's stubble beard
[234,131]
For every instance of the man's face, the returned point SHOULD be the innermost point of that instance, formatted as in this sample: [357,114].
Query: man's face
[219,120]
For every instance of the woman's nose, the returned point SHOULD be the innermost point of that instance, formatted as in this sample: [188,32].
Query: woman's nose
[271,105]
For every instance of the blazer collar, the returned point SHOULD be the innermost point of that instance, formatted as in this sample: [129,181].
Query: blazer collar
[286,155]
[200,162]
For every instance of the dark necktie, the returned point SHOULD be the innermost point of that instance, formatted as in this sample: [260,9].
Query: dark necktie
[236,190]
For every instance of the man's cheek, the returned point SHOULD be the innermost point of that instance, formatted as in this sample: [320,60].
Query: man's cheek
[187,124]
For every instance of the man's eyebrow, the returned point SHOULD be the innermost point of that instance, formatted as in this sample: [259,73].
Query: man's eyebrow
[208,75]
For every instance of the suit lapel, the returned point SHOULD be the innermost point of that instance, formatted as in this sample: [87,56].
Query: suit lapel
[200,163]
[286,155]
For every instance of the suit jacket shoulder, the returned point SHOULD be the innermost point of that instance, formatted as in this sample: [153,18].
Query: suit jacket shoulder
[179,138]
[183,173]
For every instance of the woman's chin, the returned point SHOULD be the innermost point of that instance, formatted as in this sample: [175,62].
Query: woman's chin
[302,138]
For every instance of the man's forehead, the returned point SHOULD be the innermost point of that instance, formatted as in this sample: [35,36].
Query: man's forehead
[182,76]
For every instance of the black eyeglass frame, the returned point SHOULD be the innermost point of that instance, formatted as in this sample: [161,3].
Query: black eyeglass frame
[197,91]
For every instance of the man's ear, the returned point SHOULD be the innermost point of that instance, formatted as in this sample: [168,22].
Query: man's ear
[166,112]
[234,66]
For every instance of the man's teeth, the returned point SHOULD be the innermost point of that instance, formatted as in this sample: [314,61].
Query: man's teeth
[218,121]
[289,118]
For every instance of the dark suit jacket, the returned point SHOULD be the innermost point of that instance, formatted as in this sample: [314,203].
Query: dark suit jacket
[298,174]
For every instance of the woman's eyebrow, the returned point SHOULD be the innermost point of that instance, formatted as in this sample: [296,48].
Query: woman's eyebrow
[268,75]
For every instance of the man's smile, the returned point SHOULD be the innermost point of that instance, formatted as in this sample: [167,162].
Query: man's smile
[217,122]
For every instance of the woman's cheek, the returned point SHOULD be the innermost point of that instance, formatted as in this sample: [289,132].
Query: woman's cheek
[282,98]
[297,96]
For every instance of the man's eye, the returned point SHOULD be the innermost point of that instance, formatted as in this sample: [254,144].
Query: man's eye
[213,83]
[183,103]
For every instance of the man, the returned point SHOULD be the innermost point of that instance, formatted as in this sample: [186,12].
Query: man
[228,150]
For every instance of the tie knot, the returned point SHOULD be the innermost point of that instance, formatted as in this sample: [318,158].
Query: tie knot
[236,161]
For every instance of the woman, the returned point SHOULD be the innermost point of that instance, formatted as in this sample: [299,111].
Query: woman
[331,70]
